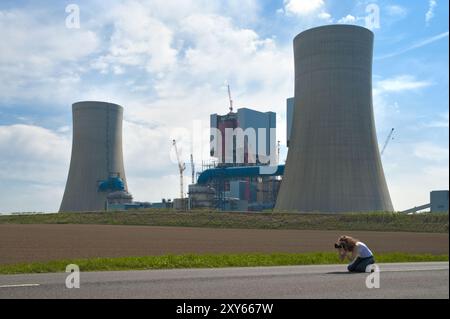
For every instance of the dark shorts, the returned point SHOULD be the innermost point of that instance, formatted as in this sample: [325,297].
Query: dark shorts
[360,264]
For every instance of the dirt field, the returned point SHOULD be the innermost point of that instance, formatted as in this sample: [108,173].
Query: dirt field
[27,243]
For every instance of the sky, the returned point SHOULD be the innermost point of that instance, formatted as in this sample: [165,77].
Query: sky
[169,62]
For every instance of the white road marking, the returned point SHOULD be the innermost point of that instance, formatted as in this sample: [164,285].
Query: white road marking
[415,269]
[19,285]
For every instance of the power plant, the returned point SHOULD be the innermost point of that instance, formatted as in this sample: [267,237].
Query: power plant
[333,163]
[96,171]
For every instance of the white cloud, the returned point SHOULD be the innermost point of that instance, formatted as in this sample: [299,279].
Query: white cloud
[430,13]
[325,16]
[416,45]
[303,7]
[152,158]
[349,19]
[306,8]
[384,108]
[35,142]
[219,51]
[396,11]
[383,94]
[441,122]
[413,170]
[401,83]
[38,55]
[33,167]
[242,11]
[431,152]
[155,188]
[32,197]
[138,40]
[411,184]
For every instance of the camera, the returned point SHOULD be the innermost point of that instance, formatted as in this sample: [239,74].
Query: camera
[340,245]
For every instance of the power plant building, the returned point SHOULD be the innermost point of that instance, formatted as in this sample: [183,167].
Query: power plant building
[263,125]
[439,201]
[333,163]
[96,171]
[236,180]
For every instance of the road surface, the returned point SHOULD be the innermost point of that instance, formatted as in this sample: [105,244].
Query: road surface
[406,280]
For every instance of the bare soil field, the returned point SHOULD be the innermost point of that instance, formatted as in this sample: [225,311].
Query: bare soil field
[30,243]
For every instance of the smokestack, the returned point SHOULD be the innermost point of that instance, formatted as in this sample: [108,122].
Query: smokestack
[334,164]
[97,160]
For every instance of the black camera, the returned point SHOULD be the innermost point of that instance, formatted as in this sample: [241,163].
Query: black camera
[337,246]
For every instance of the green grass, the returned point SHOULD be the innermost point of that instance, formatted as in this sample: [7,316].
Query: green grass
[204,261]
[433,223]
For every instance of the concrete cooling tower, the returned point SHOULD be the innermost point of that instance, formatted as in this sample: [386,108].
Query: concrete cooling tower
[96,166]
[333,164]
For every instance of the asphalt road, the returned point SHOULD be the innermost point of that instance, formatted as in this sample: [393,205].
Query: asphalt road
[408,280]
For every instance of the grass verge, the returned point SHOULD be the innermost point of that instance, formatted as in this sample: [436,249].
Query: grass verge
[432,223]
[204,261]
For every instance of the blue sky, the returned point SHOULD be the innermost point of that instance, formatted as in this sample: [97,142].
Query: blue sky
[168,62]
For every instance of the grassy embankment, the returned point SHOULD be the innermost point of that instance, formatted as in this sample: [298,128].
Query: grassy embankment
[433,223]
[203,261]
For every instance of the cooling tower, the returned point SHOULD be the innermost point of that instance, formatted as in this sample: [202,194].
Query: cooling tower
[96,166]
[333,163]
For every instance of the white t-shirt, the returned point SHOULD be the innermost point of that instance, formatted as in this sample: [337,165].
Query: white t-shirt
[363,250]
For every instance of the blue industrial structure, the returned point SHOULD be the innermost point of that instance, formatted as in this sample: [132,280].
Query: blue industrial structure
[220,177]
[112,184]
[236,172]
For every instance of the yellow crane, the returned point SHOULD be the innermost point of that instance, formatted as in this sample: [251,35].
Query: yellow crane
[181,167]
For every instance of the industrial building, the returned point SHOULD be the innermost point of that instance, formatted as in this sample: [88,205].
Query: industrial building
[235,182]
[438,203]
[96,172]
[238,188]
[263,125]
[333,163]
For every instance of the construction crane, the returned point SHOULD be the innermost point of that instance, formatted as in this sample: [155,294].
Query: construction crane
[181,167]
[229,97]
[192,169]
[389,138]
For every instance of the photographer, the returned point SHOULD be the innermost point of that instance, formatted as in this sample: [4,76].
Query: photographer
[357,251]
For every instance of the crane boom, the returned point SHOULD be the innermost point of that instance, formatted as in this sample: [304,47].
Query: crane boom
[229,97]
[387,141]
[181,167]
